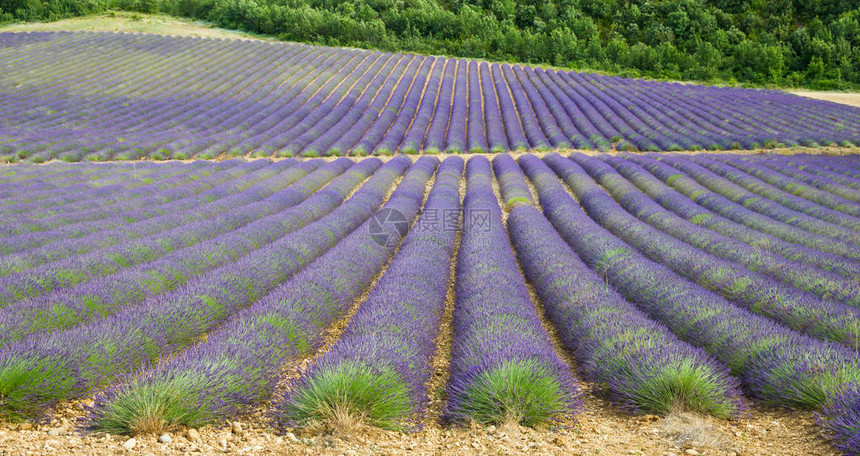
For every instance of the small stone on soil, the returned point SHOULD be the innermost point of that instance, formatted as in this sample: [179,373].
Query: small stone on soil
[129,444]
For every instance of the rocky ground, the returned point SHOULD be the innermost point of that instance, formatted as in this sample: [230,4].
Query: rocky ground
[599,429]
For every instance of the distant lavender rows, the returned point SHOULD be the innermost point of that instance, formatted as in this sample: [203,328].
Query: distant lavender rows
[102,96]
[708,279]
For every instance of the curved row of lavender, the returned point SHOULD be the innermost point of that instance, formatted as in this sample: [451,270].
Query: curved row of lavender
[379,368]
[723,197]
[718,266]
[643,365]
[774,363]
[841,416]
[102,96]
[39,227]
[734,274]
[100,296]
[54,266]
[503,365]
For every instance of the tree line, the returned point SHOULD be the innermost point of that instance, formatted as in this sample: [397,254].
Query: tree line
[809,43]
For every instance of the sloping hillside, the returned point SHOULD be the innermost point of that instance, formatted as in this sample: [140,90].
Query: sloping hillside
[783,42]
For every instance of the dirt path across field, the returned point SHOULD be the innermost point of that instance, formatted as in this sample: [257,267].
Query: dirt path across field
[827,150]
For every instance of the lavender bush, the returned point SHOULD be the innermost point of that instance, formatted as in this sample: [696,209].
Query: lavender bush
[841,416]
[503,366]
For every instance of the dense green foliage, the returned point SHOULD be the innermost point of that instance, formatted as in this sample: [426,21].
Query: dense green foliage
[812,43]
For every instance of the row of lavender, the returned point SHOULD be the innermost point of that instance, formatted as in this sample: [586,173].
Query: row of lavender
[102,96]
[694,280]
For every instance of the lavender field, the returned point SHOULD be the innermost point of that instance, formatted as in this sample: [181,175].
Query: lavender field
[185,294]
[97,96]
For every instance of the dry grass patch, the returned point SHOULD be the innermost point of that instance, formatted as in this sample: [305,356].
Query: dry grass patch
[687,429]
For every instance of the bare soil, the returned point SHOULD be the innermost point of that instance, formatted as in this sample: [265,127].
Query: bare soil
[599,429]
[846,98]
[826,150]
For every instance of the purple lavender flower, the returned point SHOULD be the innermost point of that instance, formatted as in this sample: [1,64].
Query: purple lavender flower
[775,364]
[503,367]
[841,416]
[77,360]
